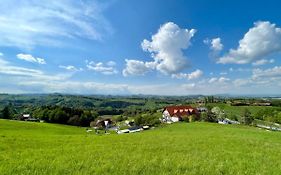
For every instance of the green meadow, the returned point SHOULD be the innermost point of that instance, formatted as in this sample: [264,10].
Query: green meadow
[183,148]
[238,110]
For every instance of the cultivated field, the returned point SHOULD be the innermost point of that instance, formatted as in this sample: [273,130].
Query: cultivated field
[184,148]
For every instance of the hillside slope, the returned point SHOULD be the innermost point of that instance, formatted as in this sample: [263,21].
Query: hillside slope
[184,148]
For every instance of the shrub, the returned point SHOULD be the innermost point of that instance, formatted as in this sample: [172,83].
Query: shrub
[185,118]
[246,117]
[92,124]
[75,120]
[147,119]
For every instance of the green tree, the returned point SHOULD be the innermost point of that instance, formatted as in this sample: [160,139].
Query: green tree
[7,112]
[208,116]
[86,118]
[246,117]
[75,120]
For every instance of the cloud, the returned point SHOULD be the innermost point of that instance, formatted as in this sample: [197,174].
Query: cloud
[193,75]
[259,42]
[240,69]
[189,86]
[24,80]
[70,68]
[261,78]
[30,58]
[218,80]
[32,74]
[166,47]
[136,67]
[214,79]
[262,62]
[241,82]
[1,54]
[215,44]
[16,79]
[223,73]
[49,22]
[274,72]
[68,86]
[107,69]
[111,63]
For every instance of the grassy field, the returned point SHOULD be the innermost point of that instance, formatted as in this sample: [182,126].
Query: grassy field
[238,110]
[184,148]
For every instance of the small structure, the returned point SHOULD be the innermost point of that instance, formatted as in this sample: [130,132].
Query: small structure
[104,123]
[123,131]
[176,113]
[135,129]
[132,130]
[145,127]
[130,122]
[227,121]
[202,109]
[27,117]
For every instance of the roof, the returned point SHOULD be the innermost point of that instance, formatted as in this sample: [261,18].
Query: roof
[102,121]
[180,110]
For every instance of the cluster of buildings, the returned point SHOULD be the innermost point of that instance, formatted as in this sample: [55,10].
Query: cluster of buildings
[178,113]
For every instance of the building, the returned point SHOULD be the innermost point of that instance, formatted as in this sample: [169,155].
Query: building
[227,121]
[104,123]
[202,109]
[176,113]
[28,117]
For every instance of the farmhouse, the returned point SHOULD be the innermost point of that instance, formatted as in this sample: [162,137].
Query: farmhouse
[176,113]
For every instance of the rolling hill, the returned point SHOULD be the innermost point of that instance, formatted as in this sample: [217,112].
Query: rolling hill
[183,148]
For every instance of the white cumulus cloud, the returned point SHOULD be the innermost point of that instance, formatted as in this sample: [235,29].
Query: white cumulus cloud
[215,44]
[259,42]
[166,48]
[167,45]
[136,67]
[30,58]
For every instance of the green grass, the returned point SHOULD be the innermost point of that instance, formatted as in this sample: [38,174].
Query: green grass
[184,148]
[238,110]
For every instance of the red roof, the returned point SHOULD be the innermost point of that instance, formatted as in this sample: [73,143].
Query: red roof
[180,110]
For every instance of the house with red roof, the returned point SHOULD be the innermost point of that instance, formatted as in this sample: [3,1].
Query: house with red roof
[176,113]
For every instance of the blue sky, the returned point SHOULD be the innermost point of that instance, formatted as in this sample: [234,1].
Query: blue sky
[159,47]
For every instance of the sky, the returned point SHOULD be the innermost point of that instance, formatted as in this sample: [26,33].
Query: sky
[151,47]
